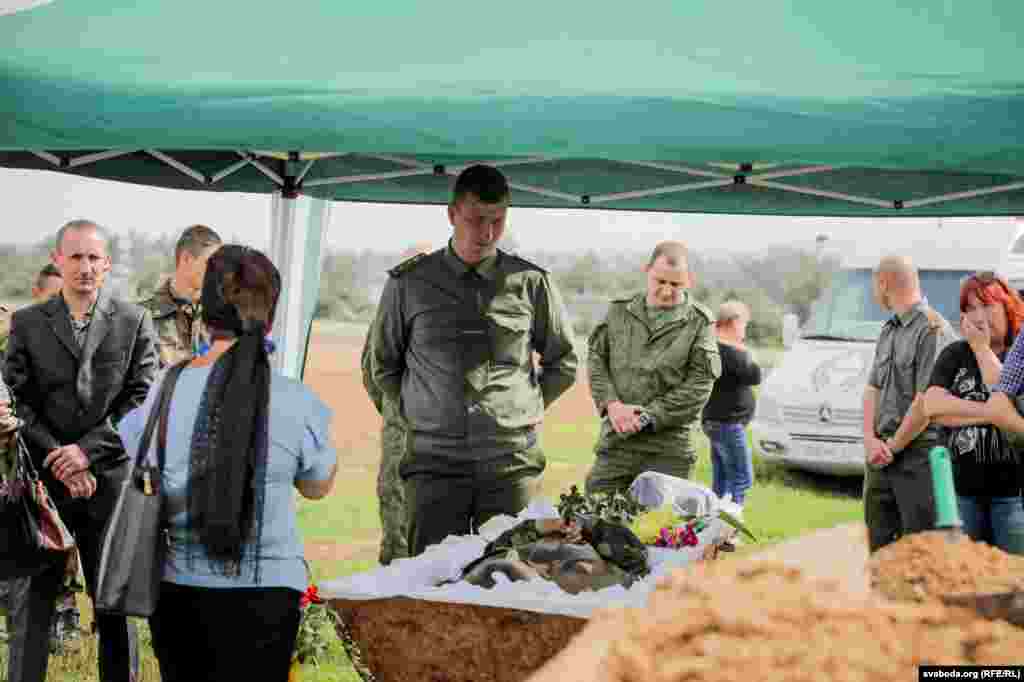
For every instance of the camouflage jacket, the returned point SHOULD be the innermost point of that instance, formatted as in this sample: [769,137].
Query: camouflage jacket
[669,370]
[455,349]
[180,331]
[385,407]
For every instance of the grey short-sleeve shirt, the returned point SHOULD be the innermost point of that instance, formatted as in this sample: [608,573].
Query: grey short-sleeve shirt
[906,352]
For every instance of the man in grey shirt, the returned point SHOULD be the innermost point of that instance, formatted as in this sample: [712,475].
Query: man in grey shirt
[898,496]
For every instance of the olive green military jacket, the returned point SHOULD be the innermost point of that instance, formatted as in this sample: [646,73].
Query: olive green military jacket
[453,347]
[386,408]
[669,371]
[180,331]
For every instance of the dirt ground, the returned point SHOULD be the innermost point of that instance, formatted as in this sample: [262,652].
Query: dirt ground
[839,554]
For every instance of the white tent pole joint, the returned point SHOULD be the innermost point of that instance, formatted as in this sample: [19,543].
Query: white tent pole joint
[251,159]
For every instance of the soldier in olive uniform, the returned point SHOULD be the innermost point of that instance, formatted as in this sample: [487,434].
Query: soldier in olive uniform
[653,362]
[452,347]
[390,490]
[898,497]
[175,304]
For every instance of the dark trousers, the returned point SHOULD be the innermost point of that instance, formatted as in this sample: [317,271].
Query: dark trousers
[205,634]
[446,496]
[614,471]
[17,616]
[30,647]
[898,498]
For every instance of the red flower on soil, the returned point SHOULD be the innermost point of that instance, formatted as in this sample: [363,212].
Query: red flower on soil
[310,596]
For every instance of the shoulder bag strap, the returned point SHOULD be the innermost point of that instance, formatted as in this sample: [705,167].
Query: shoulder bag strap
[164,411]
[161,406]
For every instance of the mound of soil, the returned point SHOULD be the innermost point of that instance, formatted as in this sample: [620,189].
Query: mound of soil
[927,566]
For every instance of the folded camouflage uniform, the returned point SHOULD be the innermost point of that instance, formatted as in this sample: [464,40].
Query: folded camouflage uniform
[591,555]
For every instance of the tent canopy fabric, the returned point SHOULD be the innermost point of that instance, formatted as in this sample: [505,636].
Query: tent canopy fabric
[778,107]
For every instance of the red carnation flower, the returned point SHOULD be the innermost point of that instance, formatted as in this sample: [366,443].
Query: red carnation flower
[310,596]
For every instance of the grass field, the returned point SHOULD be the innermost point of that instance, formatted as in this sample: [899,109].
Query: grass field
[342,531]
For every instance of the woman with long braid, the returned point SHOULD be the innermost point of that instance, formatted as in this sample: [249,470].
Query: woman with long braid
[240,437]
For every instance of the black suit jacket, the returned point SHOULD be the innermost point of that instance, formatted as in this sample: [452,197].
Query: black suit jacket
[69,395]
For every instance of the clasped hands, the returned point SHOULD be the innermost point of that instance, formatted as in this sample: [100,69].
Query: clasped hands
[878,452]
[624,418]
[70,466]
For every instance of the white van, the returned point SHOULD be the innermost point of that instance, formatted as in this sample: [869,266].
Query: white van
[809,413]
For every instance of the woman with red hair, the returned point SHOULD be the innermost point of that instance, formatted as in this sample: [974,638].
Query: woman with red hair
[987,467]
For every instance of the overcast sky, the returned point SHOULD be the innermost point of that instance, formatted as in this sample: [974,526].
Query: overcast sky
[37,203]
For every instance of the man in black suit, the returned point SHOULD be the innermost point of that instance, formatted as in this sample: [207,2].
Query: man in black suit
[76,365]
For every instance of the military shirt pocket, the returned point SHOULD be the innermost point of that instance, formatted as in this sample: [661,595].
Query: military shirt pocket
[904,369]
[510,336]
[882,367]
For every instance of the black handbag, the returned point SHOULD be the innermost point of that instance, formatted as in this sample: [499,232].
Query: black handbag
[32,534]
[135,539]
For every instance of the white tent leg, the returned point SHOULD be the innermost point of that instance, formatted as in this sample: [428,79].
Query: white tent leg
[296,236]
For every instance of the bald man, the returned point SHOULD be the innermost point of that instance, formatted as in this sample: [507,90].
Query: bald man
[898,496]
[390,489]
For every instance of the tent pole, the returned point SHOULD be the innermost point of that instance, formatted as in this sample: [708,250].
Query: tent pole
[296,237]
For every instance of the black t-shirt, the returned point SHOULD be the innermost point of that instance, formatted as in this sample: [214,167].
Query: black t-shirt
[732,398]
[984,464]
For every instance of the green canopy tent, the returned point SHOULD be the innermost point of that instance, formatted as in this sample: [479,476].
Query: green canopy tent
[782,107]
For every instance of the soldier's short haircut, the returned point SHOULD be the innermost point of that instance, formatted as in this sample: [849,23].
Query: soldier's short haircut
[675,254]
[49,270]
[486,183]
[78,226]
[195,240]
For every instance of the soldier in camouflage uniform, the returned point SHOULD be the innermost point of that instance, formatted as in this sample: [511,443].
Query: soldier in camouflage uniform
[390,490]
[175,304]
[653,362]
[453,347]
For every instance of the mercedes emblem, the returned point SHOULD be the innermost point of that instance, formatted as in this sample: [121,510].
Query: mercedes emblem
[825,413]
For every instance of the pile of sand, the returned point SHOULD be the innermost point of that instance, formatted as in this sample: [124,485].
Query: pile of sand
[769,622]
[926,566]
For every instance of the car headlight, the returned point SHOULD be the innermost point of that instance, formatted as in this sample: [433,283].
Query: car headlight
[768,410]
